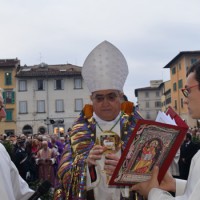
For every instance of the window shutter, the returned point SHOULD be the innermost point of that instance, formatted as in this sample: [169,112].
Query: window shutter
[62,84]
[4,97]
[13,97]
[8,115]
[54,84]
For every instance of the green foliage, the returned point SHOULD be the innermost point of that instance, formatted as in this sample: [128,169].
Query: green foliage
[9,147]
[195,139]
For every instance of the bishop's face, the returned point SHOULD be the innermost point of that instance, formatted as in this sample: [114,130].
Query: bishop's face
[106,104]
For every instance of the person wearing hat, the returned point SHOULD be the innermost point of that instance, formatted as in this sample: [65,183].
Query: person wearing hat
[12,186]
[100,133]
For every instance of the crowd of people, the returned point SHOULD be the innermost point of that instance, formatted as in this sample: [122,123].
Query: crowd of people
[36,157]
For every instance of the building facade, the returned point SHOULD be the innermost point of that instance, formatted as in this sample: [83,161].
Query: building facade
[178,68]
[165,89]
[149,99]
[8,84]
[49,98]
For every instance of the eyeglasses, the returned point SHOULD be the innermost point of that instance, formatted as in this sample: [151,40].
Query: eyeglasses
[110,97]
[186,91]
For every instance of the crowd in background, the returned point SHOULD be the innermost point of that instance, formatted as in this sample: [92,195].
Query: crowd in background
[37,156]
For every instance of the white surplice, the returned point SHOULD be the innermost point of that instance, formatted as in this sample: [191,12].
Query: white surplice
[101,189]
[12,186]
[185,190]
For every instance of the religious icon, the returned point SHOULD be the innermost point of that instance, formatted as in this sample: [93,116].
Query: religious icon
[151,143]
[147,156]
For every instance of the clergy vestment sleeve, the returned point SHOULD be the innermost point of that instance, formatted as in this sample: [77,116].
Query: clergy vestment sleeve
[157,194]
[15,188]
[21,188]
[180,186]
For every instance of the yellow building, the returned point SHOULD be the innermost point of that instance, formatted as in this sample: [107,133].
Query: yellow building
[178,69]
[8,84]
[166,95]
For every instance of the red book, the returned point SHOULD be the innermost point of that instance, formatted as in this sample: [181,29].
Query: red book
[151,143]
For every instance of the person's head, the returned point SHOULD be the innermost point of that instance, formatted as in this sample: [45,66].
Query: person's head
[44,145]
[69,130]
[188,137]
[62,140]
[192,91]
[106,103]
[35,142]
[21,141]
[53,140]
[105,71]
[154,143]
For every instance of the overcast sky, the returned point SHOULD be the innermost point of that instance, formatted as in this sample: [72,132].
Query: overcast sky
[148,32]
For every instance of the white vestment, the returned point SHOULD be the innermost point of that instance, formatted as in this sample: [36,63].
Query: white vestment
[185,190]
[12,186]
[101,189]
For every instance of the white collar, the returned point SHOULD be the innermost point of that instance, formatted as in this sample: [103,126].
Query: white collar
[101,121]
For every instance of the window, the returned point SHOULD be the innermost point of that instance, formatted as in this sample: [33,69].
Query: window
[40,106]
[157,104]
[78,105]
[182,103]
[40,84]
[146,94]
[148,115]
[8,78]
[9,132]
[59,84]
[9,97]
[59,105]
[77,83]
[27,129]
[42,130]
[168,100]
[175,104]
[173,70]
[147,104]
[179,66]
[157,93]
[22,85]
[23,107]
[174,87]
[9,114]
[180,84]
[193,60]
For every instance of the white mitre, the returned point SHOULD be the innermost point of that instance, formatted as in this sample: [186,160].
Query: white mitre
[105,68]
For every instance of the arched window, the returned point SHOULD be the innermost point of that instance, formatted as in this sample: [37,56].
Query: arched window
[42,130]
[27,130]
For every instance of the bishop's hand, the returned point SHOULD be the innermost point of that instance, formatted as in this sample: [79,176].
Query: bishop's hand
[111,161]
[95,154]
